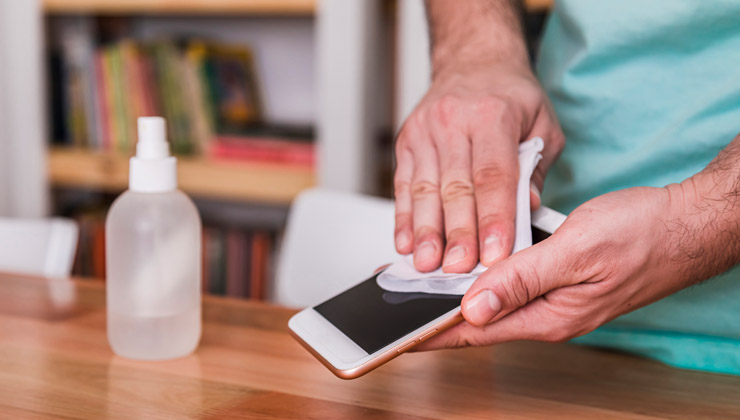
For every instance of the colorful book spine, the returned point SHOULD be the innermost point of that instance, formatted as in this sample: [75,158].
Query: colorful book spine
[110,95]
[101,103]
[235,275]
[205,260]
[261,244]
[272,150]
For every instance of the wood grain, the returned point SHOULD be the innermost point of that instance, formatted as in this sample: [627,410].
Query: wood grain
[228,180]
[55,363]
[215,7]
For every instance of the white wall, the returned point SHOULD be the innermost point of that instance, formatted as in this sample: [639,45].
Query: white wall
[412,57]
[349,54]
[23,190]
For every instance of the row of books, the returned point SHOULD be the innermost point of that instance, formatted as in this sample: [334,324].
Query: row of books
[90,257]
[236,262]
[207,91]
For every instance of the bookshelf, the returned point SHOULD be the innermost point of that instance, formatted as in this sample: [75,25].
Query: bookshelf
[182,7]
[200,177]
[242,192]
[244,203]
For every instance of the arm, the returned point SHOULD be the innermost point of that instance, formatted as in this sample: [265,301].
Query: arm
[476,31]
[456,154]
[705,218]
[614,254]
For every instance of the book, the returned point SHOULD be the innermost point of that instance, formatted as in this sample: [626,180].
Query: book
[261,243]
[97,245]
[207,91]
[231,81]
[217,263]
[273,150]
[205,260]
[196,97]
[78,56]
[235,262]
[123,139]
[57,96]
[236,276]
[104,104]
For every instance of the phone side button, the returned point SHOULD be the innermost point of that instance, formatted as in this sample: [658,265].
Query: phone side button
[427,335]
[405,347]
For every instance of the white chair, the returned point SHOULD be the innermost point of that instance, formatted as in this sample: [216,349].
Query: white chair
[332,241]
[43,247]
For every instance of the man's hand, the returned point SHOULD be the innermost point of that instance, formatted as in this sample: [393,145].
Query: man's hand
[614,254]
[457,153]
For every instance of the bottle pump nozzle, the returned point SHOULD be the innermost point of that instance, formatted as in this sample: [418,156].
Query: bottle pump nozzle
[152,142]
[153,169]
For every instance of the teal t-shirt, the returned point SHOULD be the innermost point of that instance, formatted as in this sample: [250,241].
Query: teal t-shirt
[647,93]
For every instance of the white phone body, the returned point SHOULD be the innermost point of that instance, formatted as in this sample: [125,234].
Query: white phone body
[347,360]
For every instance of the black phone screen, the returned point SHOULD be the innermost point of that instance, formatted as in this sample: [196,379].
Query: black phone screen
[373,317]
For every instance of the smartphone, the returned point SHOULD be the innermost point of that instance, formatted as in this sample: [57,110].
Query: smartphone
[365,326]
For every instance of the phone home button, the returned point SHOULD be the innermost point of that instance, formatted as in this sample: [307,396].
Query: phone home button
[406,346]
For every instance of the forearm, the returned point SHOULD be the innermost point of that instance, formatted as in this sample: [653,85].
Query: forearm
[475,32]
[705,219]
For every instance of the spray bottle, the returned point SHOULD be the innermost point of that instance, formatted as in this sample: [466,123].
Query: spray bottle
[153,257]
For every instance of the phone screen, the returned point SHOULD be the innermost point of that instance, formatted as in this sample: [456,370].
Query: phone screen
[373,317]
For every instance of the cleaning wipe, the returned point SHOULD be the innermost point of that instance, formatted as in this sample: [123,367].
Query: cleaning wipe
[401,276]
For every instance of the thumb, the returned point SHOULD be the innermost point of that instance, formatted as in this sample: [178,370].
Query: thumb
[514,282]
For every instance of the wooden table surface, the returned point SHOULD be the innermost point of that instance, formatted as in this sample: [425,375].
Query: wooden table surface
[55,363]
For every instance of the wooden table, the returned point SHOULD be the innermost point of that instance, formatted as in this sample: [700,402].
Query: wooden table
[55,363]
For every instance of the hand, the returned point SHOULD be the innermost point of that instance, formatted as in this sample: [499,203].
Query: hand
[614,254]
[457,164]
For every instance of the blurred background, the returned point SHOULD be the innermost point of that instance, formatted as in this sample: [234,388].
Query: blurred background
[263,98]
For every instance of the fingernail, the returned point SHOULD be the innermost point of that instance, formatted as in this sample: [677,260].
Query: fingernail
[425,251]
[403,239]
[482,308]
[455,255]
[491,249]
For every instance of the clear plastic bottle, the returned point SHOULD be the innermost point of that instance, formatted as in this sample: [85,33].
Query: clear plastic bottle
[153,257]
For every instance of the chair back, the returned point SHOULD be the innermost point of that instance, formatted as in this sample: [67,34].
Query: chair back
[332,241]
[43,247]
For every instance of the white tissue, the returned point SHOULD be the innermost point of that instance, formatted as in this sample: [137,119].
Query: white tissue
[401,276]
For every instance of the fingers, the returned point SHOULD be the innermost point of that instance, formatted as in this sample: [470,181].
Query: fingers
[426,204]
[538,320]
[404,236]
[495,169]
[455,184]
[458,202]
[514,282]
